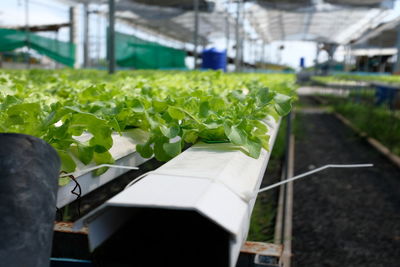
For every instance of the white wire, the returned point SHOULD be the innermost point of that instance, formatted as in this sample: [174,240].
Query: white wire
[314,171]
[77,173]
[137,179]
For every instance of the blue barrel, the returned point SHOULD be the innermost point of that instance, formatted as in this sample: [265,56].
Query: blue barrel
[213,59]
[385,94]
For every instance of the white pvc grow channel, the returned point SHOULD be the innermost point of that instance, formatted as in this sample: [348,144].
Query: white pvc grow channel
[213,183]
[124,153]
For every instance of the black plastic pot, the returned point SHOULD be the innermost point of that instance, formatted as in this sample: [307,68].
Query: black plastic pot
[29,170]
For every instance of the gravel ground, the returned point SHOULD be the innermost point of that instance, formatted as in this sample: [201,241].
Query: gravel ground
[343,217]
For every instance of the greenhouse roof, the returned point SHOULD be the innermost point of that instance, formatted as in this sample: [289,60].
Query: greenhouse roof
[321,22]
[174,22]
[329,21]
[357,2]
[181,4]
[383,36]
[293,4]
[172,18]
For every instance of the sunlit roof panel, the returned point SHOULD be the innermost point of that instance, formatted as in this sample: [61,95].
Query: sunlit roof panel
[315,23]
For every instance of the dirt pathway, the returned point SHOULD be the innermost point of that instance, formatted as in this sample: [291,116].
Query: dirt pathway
[343,217]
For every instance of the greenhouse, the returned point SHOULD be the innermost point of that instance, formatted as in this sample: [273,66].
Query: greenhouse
[224,133]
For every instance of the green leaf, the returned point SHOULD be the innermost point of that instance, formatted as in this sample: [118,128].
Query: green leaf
[137,106]
[212,125]
[101,140]
[260,128]
[173,149]
[63,181]
[264,96]
[265,141]
[85,154]
[159,106]
[273,113]
[204,109]
[237,135]
[260,125]
[145,150]
[9,101]
[153,124]
[176,113]
[253,147]
[92,91]
[28,111]
[238,95]
[115,125]
[67,163]
[102,158]
[159,151]
[190,137]
[171,131]
[283,104]
[217,104]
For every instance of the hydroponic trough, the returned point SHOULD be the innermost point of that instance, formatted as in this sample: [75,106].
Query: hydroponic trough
[215,182]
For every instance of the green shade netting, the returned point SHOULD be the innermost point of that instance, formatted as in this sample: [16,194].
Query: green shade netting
[131,51]
[63,52]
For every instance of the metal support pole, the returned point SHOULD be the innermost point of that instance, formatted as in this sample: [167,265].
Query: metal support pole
[86,35]
[27,57]
[72,31]
[71,24]
[243,43]
[196,31]
[331,52]
[346,57]
[258,52]
[227,28]
[58,47]
[256,58]
[111,36]
[243,38]
[227,35]
[316,59]
[263,53]
[349,58]
[237,56]
[250,51]
[397,64]
[73,36]
[253,48]
[227,42]
[98,39]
